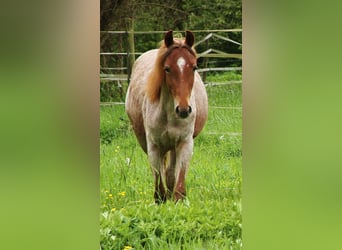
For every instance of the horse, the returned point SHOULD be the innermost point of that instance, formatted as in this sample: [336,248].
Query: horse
[167,105]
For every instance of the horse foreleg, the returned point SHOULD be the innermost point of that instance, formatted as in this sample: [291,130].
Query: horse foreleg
[183,157]
[159,189]
[155,160]
[170,175]
[180,190]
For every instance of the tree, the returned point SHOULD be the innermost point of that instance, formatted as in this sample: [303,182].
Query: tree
[214,14]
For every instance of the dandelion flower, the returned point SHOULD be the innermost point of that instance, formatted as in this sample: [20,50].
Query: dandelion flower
[128,248]
[123,193]
[113,209]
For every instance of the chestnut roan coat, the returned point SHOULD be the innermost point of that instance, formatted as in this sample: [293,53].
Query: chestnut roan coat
[167,105]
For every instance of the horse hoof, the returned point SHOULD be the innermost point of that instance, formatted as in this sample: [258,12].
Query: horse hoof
[179,196]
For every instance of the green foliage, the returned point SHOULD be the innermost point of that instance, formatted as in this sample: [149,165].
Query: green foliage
[210,218]
[215,14]
[113,91]
[166,14]
[141,15]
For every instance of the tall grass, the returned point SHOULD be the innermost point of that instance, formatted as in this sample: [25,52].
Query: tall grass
[210,217]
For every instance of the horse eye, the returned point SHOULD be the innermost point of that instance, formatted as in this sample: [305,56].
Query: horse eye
[167,69]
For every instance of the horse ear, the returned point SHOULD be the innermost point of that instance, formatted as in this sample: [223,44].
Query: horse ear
[168,39]
[189,38]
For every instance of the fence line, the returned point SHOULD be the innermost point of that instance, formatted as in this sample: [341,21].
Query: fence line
[111,103]
[206,54]
[218,107]
[120,53]
[223,133]
[208,84]
[220,69]
[210,107]
[203,54]
[217,36]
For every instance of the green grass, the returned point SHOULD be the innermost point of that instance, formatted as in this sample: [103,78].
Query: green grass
[210,217]
[224,77]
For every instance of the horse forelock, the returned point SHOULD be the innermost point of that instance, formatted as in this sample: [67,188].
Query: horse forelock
[156,77]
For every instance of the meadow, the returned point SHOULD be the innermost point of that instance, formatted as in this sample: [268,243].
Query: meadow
[210,216]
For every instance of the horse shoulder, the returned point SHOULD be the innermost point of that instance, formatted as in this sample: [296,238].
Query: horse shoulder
[136,95]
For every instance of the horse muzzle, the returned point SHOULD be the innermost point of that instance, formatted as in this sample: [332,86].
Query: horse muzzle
[183,112]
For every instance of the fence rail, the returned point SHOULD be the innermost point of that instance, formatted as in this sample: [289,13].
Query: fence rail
[210,107]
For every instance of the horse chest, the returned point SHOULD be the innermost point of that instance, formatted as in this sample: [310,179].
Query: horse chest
[167,133]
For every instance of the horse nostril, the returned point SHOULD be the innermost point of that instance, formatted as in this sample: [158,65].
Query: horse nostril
[183,112]
[177,110]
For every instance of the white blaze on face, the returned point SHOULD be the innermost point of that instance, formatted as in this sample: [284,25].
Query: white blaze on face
[181,64]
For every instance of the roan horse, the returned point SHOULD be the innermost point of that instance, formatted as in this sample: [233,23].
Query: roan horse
[167,105]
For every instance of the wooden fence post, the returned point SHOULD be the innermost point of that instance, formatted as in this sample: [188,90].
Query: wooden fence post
[205,61]
[131,57]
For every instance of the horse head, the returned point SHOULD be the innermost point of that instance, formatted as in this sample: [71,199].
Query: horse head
[179,66]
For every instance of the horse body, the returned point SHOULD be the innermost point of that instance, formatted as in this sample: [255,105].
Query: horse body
[166,103]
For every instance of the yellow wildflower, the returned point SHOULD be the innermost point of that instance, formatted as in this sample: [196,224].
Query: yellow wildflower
[128,248]
[123,193]
[113,209]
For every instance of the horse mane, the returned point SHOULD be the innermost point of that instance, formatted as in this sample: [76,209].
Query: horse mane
[156,77]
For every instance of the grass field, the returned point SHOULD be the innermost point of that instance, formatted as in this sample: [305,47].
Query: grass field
[210,217]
